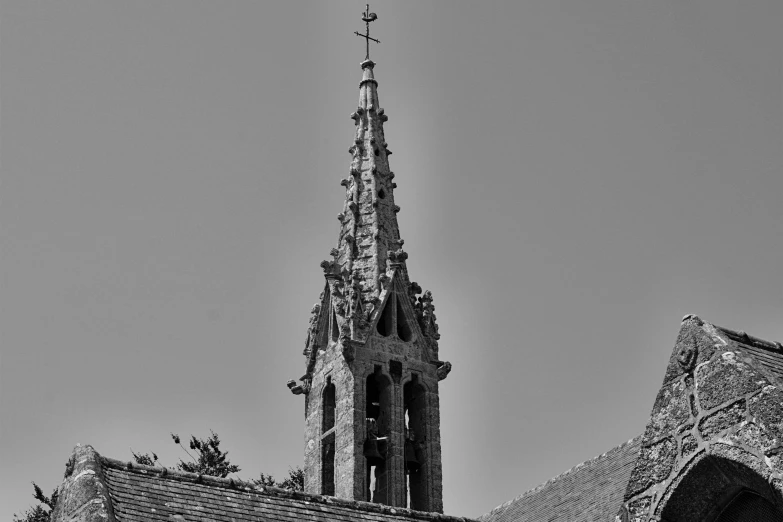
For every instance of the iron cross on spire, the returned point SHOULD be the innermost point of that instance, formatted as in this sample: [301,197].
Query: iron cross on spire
[368,17]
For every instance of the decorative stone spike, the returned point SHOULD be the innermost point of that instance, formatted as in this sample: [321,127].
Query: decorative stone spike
[345,182]
[355,117]
[394,185]
[328,267]
[396,208]
[388,152]
[340,217]
[391,175]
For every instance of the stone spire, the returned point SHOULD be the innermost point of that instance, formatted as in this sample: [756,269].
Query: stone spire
[372,421]
[369,247]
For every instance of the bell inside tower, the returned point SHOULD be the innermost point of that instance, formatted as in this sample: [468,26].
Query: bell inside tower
[378,415]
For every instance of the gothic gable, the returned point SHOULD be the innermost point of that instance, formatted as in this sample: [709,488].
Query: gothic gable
[399,316]
[715,434]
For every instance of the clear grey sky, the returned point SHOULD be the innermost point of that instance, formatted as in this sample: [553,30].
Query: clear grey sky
[574,177]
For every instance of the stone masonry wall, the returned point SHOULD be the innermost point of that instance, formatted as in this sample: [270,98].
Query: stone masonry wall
[83,496]
[717,424]
[350,429]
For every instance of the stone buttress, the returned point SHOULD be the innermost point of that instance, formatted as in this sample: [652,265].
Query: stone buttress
[372,429]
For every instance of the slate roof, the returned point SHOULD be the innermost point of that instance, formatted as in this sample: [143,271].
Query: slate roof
[115,491]
[768,353]
[590,492]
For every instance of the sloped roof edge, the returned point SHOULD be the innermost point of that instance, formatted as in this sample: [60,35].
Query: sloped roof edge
[559,477]
[250,487]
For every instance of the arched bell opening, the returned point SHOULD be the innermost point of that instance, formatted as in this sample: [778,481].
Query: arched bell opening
[328,413]
[415,415]
[329,405]
[717,489]
[379,391]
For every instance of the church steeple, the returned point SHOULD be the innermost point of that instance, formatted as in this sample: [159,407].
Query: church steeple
[372,417]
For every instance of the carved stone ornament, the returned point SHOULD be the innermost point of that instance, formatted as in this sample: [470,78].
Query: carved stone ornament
[428,320]
[329,267]
[687,354]
[311,328]
[300,389]
[397,257]
[443,370]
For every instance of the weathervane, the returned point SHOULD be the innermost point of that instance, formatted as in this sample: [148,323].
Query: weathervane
[368,17]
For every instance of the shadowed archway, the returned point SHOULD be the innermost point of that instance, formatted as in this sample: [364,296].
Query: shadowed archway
[717,489]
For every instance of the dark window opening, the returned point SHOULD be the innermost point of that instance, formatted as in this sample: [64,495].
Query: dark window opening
[379,395]
[403,329]
[741,495]
[386,322]
[327,465]
[329,406]
[749,507]
[381,194]
[414,399]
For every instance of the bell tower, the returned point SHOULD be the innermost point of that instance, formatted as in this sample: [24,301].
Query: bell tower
[372,420]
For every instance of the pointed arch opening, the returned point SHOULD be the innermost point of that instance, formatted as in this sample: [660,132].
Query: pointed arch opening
[329,403]
[379,398]
[415,415]
[717,489]
[329,406]
[404,331]
[386,322]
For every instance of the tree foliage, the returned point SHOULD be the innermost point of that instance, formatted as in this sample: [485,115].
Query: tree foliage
[210,460]
[43,511]
[294,481]
[207,459]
